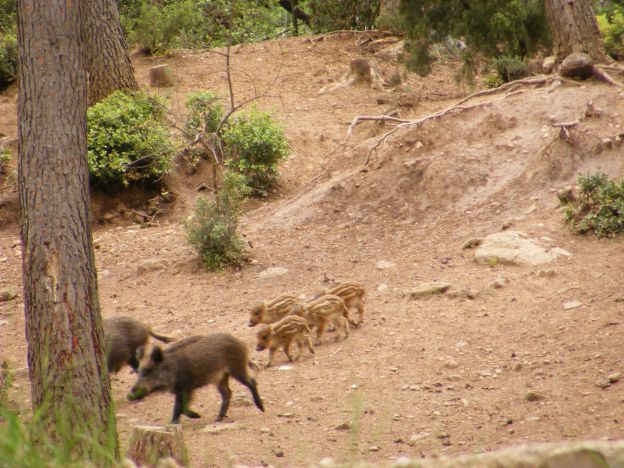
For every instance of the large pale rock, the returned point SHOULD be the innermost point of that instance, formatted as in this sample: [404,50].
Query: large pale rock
[273,272]
[512,247]
[577,65]
[7,294]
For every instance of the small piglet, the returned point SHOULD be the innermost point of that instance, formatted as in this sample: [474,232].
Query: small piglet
[282,334]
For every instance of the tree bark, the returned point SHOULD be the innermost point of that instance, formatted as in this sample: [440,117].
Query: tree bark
[70,385]
[108,62]
[574,29]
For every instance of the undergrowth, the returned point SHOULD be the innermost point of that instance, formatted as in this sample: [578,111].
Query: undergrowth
[599,207]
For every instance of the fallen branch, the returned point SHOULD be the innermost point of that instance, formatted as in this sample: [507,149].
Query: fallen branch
[378,118]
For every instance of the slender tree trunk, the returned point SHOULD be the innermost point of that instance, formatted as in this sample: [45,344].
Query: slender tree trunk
[108,62]
[574,28]
[70,383]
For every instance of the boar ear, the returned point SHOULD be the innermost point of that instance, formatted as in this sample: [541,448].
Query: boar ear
[157,355]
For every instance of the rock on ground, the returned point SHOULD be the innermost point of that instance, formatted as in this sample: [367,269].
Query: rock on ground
[515,248]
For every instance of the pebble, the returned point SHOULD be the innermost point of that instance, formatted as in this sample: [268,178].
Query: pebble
[571,305]
[615,377]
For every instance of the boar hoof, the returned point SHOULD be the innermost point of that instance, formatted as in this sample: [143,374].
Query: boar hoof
[192,414]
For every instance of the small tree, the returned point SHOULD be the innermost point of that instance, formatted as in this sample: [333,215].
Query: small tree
[212,230]
[254,145]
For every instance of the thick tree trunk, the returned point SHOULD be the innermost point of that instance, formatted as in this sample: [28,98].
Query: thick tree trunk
[574,29]
[108,62]
[70,384]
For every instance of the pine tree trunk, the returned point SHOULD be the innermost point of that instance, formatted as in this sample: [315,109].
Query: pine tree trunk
[70,385]
[108,62]
[574,29]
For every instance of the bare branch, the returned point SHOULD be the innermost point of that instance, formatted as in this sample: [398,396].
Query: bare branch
[379,118]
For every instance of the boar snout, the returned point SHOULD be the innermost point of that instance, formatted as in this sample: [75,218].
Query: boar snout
[260,347]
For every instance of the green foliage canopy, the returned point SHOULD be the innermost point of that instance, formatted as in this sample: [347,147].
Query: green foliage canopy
[492,27]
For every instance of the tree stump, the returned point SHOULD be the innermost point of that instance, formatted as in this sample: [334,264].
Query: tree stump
[161,76]
[148,444]
[361,71]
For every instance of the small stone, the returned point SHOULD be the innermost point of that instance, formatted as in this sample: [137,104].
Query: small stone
[286,415]
[603,384]
[354,386]
[428,289]
[384,264]
[472,243]
[265,430]
[451,364]
[273,272]
[415,438]
[615,377]
[345,426]
[571,305]
[533,396]
[327,462]
[382,287]
[546,273]
[219,428]
[279,454]
[254,262]
[241,401]
[7,294]
[619,299]
[149,265]
[285,367]
[498,283]
[373,448]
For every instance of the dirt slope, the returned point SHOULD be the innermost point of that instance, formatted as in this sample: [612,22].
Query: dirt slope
[419,378]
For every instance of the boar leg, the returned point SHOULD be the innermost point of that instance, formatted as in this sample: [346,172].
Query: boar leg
[134,363]
[308,343]
[177,408]
[271,354]
[250,383]
[287,350]
[226,394]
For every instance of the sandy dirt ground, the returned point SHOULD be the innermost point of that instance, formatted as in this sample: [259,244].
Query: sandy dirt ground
[420,378]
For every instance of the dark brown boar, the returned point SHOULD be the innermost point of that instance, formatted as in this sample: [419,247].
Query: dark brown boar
[123,336]
[195,362]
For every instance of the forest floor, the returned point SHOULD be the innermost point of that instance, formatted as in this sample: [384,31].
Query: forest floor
[427,377]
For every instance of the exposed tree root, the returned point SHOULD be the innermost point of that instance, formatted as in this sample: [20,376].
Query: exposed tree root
[602,74]
[511,87]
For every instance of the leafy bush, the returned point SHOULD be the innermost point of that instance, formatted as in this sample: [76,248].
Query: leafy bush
[204,112]
[8,16]
[8,59]
[611,24]
[158,27]
[492,80]
[600,206]
[5,157]
[254,145]
[212,229]
[127,140]
[511,69]
[330,15]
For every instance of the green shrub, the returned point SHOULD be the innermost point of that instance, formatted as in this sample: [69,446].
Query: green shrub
[511,69]
[205,112]
[254,145]
[212,230]
[160,28]
[611,24]
[8,59]
[5,158]
[600,206]
[127,140]
[330,15]
[493,80]
[8,16]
